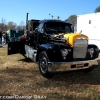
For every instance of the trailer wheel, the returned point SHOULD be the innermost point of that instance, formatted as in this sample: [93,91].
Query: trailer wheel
[43,65]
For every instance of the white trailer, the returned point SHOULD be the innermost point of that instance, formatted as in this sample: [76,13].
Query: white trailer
[89,24]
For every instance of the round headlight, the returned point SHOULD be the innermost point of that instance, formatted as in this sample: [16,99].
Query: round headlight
[91,50]
[64,52]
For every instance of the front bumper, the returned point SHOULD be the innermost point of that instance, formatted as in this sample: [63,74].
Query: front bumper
[75,65]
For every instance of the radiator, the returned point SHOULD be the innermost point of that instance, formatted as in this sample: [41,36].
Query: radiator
[80,48]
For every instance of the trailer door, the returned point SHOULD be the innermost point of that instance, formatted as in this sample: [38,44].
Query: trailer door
[13,47]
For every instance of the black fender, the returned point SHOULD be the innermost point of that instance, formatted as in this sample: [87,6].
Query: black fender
[96,51]
[52,50]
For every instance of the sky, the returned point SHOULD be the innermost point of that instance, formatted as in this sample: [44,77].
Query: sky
[15,10]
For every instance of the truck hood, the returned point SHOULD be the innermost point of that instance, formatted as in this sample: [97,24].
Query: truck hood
[73,36]
[69,37]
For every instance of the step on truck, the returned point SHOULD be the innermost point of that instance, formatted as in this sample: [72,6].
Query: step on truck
[54,46]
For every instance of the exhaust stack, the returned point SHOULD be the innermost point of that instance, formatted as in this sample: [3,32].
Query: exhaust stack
[27,21]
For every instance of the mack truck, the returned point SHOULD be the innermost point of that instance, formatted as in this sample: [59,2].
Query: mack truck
[54,46]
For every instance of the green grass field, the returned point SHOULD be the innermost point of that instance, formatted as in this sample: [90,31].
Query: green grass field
[19,76]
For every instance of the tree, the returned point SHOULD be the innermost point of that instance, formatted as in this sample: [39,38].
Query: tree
[72,19]
[12,25]
[21,25]
[3,24]
[97,9]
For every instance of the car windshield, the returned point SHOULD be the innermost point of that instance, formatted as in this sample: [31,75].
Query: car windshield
[58,27]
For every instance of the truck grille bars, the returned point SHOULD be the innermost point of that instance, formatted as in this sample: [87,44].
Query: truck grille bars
[80,48]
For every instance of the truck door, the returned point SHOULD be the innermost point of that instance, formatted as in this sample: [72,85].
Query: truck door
[13,47]
[40,33]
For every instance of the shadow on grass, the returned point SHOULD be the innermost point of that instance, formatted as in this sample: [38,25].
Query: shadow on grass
[35,80]
[26,60]
[77,77]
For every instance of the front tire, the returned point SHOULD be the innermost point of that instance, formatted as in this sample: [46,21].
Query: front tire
[43,65]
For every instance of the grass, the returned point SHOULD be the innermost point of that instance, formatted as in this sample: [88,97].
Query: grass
[21,77]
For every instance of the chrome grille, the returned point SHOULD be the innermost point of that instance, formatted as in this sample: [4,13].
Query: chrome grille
[80,48]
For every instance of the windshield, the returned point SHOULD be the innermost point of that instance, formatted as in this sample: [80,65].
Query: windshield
[58,27]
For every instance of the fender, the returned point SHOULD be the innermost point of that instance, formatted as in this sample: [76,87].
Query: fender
[50,50]
[93,46]
[96,51]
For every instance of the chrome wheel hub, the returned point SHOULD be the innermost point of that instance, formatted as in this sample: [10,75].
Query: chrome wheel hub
[43,64]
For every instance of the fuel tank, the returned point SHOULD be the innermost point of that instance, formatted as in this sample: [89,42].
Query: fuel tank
[70,37]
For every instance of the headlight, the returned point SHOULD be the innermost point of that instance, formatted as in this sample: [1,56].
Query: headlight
[64,52]
[91,50]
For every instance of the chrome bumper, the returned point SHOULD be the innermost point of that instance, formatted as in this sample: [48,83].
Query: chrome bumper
[75,65]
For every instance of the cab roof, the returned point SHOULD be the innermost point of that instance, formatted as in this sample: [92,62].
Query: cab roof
[48,20]
[52,20]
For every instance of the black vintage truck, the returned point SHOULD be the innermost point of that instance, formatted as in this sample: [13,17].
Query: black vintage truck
[53,45]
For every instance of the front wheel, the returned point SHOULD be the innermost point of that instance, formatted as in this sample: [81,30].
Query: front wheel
[43,65]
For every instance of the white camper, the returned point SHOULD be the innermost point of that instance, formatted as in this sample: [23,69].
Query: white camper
[89,24]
